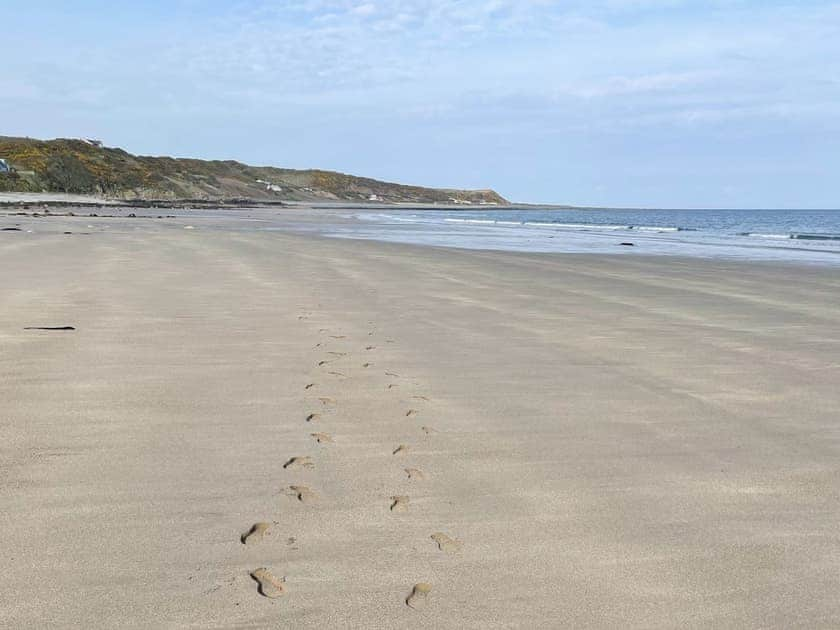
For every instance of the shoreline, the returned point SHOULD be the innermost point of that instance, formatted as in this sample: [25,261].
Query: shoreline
[538,238]
[293,217]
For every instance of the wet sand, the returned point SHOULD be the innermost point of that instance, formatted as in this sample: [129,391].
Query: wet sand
[422,437]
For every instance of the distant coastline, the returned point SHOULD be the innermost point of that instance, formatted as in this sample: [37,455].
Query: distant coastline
[88,168]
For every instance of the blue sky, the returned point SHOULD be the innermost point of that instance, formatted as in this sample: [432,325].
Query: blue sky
[717,103]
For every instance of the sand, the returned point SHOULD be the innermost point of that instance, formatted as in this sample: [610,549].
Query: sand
[609,442]
[35,198]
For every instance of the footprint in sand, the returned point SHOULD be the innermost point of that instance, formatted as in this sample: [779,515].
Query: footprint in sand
[392,374]
[367,365]
[338,336]
[322,438]
[419,595]
[415,474]
[445,543]
[327,401]
[399,504]
[400,450]
[309,386]
[420,398]
[370,347]
[410,412]
[338,354]
[337,374]
[255,534]
[299,462]
[392,386]
[302,493]
[268,584]
[428,430]
[322,363]
[312,417]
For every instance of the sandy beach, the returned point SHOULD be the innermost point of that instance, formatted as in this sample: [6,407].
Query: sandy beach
[546,441]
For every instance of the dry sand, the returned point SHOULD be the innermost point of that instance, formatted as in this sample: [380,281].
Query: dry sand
[588,442]
[34,198]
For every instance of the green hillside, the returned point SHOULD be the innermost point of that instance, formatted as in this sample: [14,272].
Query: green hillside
[80,167]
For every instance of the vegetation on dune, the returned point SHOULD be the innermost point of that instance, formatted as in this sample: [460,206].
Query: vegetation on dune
[80,167]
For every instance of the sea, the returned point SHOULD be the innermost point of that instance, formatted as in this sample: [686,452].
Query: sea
[805,236]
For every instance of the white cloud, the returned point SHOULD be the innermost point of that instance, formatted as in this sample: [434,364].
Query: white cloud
[364,9]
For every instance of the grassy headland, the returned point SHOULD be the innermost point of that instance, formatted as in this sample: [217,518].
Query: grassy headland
[80,167]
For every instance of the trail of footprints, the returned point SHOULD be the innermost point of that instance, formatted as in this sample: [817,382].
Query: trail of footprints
[267,583]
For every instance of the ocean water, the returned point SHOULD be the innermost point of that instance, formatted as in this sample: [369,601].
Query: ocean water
[809,236]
